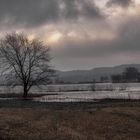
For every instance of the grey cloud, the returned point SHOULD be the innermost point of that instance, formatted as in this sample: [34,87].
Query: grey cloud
[75,8]
[38,12]
[129,35]
[79,54]
[28,11]
[126,45]
[123,3]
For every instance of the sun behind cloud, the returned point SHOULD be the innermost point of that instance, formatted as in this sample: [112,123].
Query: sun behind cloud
[54,37]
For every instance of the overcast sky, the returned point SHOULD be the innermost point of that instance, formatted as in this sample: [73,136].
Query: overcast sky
[82,34]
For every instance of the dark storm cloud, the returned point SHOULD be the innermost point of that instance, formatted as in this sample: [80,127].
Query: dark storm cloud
[31,12]
[123,3]
[79,51]
[38,12]
[86,8]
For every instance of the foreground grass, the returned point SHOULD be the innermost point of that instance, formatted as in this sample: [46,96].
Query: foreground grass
[111,123]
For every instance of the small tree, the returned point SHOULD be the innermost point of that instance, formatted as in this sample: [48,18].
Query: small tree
[26,60]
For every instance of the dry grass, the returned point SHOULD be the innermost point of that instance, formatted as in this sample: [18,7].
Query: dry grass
[119,123]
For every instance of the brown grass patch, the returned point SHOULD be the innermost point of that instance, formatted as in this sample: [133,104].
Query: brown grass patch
[120,123]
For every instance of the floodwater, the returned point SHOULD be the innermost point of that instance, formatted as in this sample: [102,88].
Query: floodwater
[81,92]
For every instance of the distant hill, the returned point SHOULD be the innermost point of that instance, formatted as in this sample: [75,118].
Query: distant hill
[82,76]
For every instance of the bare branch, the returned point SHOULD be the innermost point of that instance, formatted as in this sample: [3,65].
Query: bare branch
[27,59]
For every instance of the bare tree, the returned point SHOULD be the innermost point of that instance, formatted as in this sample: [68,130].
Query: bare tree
[28,60]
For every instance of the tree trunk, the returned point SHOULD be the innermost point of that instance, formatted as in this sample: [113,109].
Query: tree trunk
[25,92]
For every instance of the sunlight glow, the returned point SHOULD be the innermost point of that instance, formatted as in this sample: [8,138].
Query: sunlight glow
[31,37]
[54,37]
[137,1]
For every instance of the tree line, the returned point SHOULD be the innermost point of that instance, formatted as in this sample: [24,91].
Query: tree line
[130,75]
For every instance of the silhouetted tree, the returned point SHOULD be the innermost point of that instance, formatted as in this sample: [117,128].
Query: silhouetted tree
[27,60]
[131,74]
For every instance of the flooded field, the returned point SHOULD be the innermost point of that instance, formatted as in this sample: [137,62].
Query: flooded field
[80,92]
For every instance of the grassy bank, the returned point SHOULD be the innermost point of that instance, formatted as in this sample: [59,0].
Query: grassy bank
[20,103]
[103,120]
[117,123]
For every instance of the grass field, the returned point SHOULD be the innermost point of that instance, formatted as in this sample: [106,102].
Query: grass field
[71,123]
